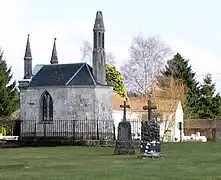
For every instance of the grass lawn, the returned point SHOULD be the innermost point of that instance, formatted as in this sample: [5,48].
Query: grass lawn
[187,161]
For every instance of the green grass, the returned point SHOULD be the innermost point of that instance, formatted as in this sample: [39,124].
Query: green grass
[187,161]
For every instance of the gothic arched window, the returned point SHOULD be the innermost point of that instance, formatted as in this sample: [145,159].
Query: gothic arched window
[95,39]
[99,40]
[46,107]
[103,40]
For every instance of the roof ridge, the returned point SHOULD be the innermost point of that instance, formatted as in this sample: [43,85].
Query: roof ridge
[92,77]
[75,74]
[41,69]
[60,64]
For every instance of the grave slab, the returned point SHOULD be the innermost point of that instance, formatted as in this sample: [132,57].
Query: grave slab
[124,143]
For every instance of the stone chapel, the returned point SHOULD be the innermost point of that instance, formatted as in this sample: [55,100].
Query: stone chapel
[61,92]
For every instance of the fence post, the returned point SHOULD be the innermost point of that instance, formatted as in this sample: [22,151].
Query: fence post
[114,131]
[86,129]
[44,127]
[20,130]
[97,130]
[35,129]
[73,131]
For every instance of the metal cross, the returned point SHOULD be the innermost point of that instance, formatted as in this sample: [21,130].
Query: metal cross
[149,107]
[125,106]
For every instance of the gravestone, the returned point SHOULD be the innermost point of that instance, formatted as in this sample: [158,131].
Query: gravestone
[150,135]
[124,144]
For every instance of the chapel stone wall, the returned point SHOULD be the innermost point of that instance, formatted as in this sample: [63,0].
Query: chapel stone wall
[89,105]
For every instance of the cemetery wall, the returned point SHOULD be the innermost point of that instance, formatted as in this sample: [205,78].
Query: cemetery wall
[207,127]
[47,142]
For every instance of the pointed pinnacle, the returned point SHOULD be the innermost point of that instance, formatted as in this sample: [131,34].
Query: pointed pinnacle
[28,55]
[54,57]
[99,23]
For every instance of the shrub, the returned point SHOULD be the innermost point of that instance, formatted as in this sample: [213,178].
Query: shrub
[3,130]
[80,142]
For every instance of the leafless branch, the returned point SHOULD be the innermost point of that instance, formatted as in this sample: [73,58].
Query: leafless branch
[87,50]
[110,59]
[171,89]
[167,88]
[147,58]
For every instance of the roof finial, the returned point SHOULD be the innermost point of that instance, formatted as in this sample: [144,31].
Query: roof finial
[54,57]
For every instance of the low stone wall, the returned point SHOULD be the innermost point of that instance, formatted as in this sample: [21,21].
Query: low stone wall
[2,144]
[46,142]
[107,143]
[11,144]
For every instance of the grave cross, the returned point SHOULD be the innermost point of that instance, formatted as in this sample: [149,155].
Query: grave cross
[125,106]
[149,107]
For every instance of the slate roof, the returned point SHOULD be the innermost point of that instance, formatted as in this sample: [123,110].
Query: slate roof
[64,74]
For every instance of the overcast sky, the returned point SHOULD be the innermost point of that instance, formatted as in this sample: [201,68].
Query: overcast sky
[191,27]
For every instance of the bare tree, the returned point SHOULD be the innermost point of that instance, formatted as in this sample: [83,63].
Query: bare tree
[87,50]
[168,123]
[110,59]
[172,91]
[147,58]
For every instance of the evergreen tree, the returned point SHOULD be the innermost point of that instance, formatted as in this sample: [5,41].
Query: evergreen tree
[209,102]
[9,99]
[179,68]
[115,78]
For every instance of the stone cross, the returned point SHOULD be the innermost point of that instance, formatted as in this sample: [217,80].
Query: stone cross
[150,135]
[149,107]
[125,106]
[124,144]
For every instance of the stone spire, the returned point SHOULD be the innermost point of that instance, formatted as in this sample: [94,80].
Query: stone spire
[99,62]
[54,56]
[27,61]
[99,23]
